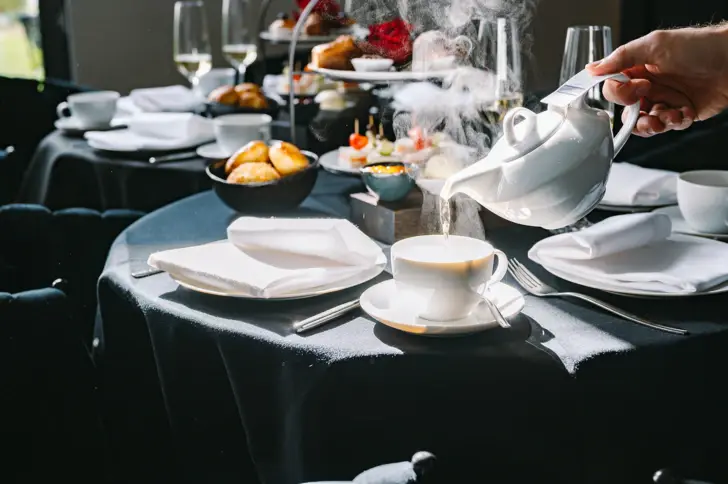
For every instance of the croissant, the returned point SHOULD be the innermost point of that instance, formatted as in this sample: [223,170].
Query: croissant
[253,101]
[224,95]
[253,152]
[253,173]
[287,159]
[337,54]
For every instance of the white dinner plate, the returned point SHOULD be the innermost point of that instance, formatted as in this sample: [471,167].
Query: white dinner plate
[360,278]
[304,39]
[622,291]
[680,226]
[383,77]
[380,302]
[212,151]
[331,162]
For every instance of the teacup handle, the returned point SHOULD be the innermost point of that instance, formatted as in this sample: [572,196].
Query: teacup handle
[500,272]
[62,109]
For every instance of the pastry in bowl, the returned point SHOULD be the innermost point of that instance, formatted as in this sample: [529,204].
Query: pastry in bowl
[252,100]
[224,95]
[287,158]
[253,152]
[248,87]
[253,173]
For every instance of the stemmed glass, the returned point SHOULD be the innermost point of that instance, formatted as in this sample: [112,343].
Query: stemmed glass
[192,51]
[238,45]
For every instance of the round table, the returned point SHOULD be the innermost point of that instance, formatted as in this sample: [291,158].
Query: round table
[208,388]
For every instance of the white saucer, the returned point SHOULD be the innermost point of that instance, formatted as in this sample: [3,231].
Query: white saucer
[628,208]
[212,151]
[73,126]
[680,225]
[379,302]
[331,162]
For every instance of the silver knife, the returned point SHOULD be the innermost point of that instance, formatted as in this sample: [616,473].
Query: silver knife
[322,318]
[187,155]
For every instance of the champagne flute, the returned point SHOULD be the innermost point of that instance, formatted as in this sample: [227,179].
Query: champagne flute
[584,45]
[238,45]
[192,52]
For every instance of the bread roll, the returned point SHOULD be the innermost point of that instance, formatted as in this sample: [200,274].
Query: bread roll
[247,87]
[337,54]
[287,159]
[253,101]
[224,95]
[253,173]
[253,152]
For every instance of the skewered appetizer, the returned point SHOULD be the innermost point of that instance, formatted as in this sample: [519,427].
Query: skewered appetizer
[356,153]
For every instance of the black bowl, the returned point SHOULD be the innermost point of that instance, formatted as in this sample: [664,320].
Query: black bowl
[214,109]
[265,198]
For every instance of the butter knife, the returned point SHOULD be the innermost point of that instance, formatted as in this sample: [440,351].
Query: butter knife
[187,155]
[327,316]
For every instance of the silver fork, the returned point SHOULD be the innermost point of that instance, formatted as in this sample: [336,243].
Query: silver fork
[536,287]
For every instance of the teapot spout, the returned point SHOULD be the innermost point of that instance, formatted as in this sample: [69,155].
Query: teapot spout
[476,181]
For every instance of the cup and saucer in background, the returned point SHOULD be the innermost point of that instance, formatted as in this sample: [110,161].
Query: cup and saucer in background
[702,208]
[438,285]
[233,131]
[88,111]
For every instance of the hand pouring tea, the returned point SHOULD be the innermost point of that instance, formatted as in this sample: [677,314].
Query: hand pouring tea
[550,169]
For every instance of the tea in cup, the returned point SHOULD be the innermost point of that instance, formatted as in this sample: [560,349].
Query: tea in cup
[91,109]
[443,278]
[703,200]
[233,131]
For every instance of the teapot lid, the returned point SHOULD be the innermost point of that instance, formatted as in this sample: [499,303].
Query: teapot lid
[520,138]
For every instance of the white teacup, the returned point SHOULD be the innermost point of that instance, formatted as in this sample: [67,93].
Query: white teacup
[443,278]
[233,131]
[91,109]
[703,200]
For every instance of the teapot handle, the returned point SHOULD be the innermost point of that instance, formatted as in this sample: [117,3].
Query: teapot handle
[509,123]
[633,114]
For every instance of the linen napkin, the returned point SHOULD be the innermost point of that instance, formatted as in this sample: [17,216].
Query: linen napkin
[632,185]
[273,258]
[165,99]
[635,251]
[156,132]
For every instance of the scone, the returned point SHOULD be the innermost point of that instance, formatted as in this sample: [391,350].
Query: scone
[224,95]
[247,87]
[253,173]
[287,159]
[253,152]
[252,100]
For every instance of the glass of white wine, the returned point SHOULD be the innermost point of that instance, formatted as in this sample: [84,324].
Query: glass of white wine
[192,51]
[238,44]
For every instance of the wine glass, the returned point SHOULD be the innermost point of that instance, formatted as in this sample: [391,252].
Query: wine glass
[500,45]
[192,52]
[238,45]
[584,45]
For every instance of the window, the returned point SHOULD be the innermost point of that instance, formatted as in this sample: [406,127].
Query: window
[21,53]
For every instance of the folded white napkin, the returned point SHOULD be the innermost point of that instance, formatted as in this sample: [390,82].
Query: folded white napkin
[635,251]
[156,131]
[270,258]
[632,185]
[165,99]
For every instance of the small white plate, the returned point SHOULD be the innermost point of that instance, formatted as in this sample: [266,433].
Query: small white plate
[379,302]
[72,126]
[719,289]
[212,151]
[360,278]
[628,208]
[680,225]
[372,65]
[331,162]
[383,77]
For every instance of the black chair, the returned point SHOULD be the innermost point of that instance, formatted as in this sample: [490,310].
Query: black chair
[28,110]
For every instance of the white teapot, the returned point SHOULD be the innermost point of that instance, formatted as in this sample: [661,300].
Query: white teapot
[548,170]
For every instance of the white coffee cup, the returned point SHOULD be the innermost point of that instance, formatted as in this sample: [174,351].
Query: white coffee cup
[443,279]
[233,131]
[92,109]
[703,200]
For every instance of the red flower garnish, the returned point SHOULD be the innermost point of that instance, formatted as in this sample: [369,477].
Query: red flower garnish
[329,9]
[391,40]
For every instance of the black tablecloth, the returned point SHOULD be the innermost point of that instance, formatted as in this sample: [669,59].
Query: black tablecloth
[212,388]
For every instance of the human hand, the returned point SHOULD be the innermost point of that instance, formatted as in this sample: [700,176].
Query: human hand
[678,76]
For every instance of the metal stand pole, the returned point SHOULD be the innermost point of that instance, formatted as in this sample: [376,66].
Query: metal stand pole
[261,28]
[291,62]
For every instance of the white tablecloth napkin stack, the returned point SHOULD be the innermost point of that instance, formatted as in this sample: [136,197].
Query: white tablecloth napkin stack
[173,99]
[635,252]
[632,185]
[277,258]
[157,132]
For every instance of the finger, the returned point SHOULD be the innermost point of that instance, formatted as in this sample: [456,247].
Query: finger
[649,126]
[628,55]
[671,118]
[626,93]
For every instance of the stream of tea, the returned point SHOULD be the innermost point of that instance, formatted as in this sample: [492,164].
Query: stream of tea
[445,216]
